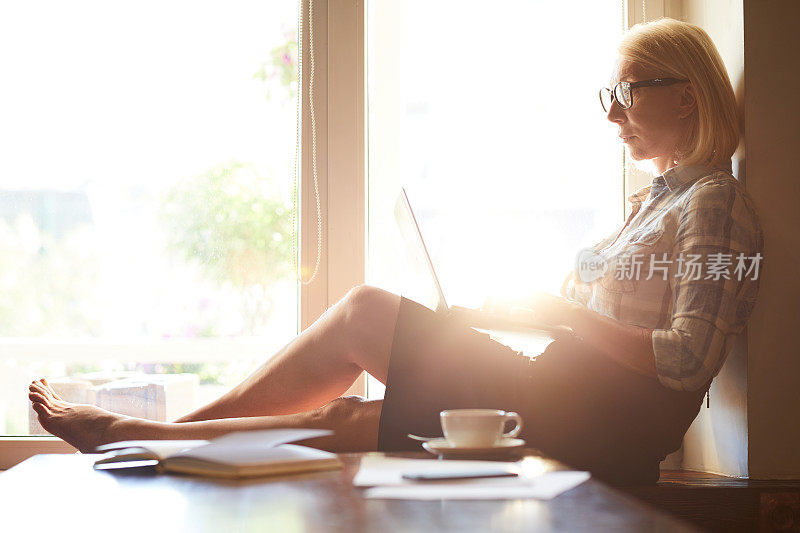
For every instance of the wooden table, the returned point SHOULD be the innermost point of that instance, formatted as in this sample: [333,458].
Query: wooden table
[63,493]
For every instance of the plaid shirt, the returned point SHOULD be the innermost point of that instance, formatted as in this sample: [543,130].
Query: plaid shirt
[685,264]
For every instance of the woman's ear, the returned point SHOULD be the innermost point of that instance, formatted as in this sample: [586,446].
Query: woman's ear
[688,101]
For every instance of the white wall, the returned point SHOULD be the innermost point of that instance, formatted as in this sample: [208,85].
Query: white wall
[717,441]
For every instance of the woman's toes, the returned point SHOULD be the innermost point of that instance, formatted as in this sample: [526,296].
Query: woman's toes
[41,394]
[55,395]
[41,409]
[36,397]
[49,388]
[35,387]
[47,392]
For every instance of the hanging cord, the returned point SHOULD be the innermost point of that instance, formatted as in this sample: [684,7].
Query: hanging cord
[294,221]
[644,11]
[298,133]
[624,16]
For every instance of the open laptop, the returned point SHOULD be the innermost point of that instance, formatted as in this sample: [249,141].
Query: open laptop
[477,318]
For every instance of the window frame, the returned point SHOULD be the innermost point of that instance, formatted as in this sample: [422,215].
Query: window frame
[339,106]
[339,102]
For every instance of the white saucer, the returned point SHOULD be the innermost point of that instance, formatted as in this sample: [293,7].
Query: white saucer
[444,447]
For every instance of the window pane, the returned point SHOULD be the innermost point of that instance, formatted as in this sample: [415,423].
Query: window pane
[489,114]
[145,199]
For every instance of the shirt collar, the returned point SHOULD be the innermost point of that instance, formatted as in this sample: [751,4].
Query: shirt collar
[675,178]
[679,176]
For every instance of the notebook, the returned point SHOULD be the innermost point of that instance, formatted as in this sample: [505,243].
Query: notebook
[235,455]
[477,318]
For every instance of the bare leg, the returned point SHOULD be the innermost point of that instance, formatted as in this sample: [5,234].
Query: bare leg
[354,421]
[320,364]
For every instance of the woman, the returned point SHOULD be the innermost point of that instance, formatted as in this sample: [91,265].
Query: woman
[650,333]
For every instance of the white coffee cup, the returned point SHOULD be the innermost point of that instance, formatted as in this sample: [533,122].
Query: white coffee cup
[477,428]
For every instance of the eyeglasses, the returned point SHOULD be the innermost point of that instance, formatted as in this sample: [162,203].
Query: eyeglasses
[623,91]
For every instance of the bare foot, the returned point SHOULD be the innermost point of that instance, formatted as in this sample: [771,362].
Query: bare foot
[84,426]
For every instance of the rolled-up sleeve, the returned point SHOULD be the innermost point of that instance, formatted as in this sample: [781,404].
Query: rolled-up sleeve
[720,225]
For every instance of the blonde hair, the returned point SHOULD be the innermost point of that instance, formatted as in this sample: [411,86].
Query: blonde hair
[685,51]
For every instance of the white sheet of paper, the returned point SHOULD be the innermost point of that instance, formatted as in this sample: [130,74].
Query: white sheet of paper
[375,470]
[268,438]
[161,448]
[229,445]
[384,475]
[542,487]
[245,447]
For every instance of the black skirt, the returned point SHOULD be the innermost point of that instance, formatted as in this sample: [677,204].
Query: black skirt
[578,406]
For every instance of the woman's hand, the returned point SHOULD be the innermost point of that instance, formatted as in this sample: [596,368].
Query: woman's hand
[540,307]
[553,310]
[630,346]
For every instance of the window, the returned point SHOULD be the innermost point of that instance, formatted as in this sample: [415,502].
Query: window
[488,113]
[145,200]
[112,108]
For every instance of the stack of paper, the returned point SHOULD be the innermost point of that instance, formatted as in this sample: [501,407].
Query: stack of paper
[383,476]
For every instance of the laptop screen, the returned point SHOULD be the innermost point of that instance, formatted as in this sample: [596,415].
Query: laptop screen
[420,259]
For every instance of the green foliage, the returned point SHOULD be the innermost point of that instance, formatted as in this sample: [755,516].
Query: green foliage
[226,222]
[46,284]
[280,70]
[210,373]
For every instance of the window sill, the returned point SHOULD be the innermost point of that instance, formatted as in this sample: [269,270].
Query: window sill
[14,450]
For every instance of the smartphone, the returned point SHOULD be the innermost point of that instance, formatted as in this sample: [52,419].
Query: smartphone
[462,474]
